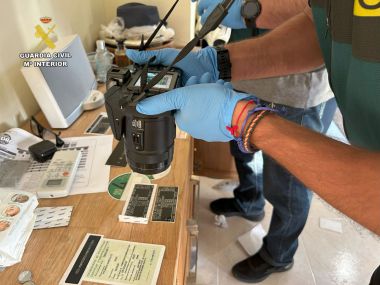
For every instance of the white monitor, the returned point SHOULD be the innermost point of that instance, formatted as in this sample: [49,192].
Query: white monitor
[60,90]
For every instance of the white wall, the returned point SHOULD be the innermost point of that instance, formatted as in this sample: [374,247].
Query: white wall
[84,17]
[182,20]
[17,21]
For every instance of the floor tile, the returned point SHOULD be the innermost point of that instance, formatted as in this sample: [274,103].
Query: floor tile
[323,257]
[219,249]
[339,259]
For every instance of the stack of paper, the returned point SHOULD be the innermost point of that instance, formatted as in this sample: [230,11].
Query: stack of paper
[253,240]
[139,203]
[16,224]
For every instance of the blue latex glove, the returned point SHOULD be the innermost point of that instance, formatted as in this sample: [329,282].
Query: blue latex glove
[205,78]
[233,19]
[203,110]
[194,64]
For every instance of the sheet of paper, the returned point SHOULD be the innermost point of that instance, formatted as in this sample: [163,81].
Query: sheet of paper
[20,243]
[334,225]
[226,185]
[92,175]
[180,134]
[11,172]
[252,240]
[14,144]
[16,224]
[125,263]
[14,156]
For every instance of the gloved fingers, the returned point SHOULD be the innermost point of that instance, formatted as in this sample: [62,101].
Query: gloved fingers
[192,81]
[158,104]
[205,78]
[220,82]
[206,5]
[228,85]
[163,56]
[140,57]
[225,83]
[206,13]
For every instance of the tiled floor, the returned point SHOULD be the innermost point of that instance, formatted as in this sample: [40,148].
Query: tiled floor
[323,257]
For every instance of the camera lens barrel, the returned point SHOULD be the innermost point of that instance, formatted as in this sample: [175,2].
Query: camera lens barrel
[149,141]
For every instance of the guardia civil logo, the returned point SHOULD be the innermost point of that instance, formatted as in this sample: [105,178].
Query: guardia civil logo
[44,35]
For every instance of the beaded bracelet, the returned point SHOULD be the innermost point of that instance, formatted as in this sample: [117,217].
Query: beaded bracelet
[252,126]
[251,113]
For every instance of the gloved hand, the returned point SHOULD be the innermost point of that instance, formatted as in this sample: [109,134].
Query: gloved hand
[233,19]
[203,110]
[194,64]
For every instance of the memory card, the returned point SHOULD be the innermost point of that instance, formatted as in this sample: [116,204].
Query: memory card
[165,205]
[139,202]
[100,126]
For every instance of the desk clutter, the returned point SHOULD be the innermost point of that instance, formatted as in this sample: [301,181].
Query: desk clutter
[16,224]
[108,261]
[20,172]
[149,202]
[42,165]
[133,21]
[52,217]
[73,169]
[144,201]
[20,188]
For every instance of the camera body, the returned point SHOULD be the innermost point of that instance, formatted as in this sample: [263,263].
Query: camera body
[148,140]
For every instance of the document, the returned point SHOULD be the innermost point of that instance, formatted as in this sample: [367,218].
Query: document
[92,175]
[14,144]
[125,262]
[115,262]
[16,224]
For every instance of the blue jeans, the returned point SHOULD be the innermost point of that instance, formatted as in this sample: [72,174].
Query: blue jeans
[289,197]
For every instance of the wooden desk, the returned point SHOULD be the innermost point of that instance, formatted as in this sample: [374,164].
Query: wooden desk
[49,251]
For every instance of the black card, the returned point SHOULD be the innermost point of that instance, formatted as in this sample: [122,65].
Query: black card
[100,126]
[117,157]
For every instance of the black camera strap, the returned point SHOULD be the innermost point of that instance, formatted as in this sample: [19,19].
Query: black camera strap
[212,22]
[162,22]
[144,74]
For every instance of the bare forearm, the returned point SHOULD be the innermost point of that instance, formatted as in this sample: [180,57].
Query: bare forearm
[346,177]
[275,12]
[290,48]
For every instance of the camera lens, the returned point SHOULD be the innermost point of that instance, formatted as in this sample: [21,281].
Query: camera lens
[149,141]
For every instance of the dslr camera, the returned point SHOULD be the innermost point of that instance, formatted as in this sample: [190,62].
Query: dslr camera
[148,140]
